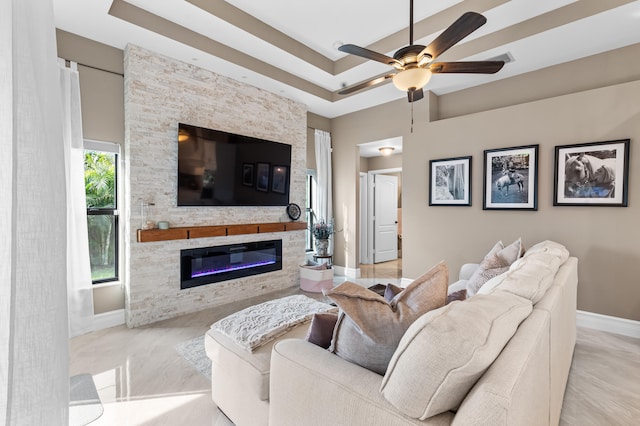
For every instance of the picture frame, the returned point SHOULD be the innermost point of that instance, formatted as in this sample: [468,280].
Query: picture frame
[592,174]
[450,182]
[262,176]
[247,174]
[279,175]
[511,178]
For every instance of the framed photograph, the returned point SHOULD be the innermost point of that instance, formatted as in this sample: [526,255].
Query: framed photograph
[592,174]
[450,182]
[262,177]
[511,178]
[247,174]
[279,179]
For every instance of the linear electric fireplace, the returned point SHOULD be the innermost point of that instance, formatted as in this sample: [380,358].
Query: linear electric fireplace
[214,264]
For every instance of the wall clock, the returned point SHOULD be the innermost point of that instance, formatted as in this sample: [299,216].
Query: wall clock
[293,210]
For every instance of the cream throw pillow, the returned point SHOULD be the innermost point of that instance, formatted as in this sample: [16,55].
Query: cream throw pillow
[444,353]
[369,328]
[496,262]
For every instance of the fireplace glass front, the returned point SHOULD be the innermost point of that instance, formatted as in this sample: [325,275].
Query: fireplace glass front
[220,263]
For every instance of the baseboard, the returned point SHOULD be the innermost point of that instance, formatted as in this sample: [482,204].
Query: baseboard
[108,319]
[623,326]
[346,272]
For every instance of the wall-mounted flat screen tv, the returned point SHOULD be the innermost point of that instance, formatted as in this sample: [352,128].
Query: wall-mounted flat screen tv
[217,168]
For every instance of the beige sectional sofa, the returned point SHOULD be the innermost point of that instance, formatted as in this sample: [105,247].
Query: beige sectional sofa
[524,385]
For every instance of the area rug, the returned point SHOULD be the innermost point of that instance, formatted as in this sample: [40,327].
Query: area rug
[193,351]
[84,401]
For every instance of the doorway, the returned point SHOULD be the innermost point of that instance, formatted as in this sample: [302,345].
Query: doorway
[380,202]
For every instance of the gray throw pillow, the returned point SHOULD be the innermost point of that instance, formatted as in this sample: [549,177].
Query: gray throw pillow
[321,329]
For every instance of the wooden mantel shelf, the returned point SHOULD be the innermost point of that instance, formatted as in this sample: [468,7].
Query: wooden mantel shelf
[189,232]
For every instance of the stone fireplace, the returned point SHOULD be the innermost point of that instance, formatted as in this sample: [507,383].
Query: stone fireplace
[161,92]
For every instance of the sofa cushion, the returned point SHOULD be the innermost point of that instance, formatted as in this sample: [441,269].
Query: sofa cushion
[532,275]
[369,328]
[321,329]
[496,262]
[445,351]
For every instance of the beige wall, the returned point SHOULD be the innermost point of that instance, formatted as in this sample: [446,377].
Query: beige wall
[603,238]
[102,96]
[537,108]
[382,162]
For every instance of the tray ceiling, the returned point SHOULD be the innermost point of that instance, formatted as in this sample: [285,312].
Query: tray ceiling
[290,48]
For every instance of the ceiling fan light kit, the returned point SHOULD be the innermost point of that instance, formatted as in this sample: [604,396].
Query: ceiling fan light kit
[412,79]
[414,63]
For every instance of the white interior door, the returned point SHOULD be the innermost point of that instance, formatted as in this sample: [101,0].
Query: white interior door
[385,218]
[364,224]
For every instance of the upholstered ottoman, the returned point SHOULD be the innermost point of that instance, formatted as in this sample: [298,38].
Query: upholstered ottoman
[239,347]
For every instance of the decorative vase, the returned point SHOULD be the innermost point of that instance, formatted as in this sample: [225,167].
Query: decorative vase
[322,247]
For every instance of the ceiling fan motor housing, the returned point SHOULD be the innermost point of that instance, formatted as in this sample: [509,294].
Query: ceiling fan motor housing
[409,54]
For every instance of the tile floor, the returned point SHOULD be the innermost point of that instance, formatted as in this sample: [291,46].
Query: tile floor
[142,380]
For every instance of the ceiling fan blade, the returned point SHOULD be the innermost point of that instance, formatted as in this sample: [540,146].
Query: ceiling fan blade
[473,67]
[368,54]
[465,25]
[415,95]
[361,86]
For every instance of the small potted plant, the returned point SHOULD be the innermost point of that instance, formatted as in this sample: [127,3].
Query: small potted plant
[322,231]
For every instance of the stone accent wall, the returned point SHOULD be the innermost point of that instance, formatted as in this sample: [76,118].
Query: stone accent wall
[160,92]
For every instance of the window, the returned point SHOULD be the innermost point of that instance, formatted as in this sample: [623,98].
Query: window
[310,205]
[101,187]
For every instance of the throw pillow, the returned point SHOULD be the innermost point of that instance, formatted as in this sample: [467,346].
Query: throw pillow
[378,289]
[496,262]
[457,295]
[321,329]
[387,291]
[391,291]
[532,275]
[444,353]
[369,328]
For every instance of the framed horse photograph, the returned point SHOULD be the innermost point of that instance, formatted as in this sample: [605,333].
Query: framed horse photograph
[450,182]
[592,174]
[511,178]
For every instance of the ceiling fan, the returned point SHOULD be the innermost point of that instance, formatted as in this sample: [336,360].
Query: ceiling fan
[414,63]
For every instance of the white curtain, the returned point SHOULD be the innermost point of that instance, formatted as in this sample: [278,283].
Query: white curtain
[34,339]
[79,291]
[324,206]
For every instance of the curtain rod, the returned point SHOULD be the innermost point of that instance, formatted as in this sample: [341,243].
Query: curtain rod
[92,67]
[315,128]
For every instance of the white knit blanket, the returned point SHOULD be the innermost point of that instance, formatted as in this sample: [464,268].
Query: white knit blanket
[256,325]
